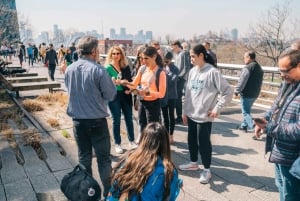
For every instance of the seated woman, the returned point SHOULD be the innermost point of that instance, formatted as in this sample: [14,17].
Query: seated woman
[147,173]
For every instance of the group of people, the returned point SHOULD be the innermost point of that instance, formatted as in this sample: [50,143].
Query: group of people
[146,172]
[91,86]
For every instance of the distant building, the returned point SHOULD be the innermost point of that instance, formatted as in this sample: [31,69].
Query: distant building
[234,34]
[104,45]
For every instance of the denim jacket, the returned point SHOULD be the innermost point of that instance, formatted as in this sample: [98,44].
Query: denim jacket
[153,190]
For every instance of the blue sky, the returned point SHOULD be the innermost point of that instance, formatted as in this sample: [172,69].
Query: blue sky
[178,18]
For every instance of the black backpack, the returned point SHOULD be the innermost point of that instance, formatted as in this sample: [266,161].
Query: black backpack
[164,100]
[79,185]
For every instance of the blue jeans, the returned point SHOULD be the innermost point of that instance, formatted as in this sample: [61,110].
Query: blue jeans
[115,106]
[288,186]
[246,104]
[93,133]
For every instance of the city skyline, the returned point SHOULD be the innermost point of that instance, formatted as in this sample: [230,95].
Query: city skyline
[178,19]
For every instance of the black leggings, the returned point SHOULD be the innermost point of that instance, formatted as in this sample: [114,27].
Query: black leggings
[199,139]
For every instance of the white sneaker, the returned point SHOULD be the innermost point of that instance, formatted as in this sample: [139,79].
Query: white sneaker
[137,141]
[189,166]
[119,149]
[133,145]
[205,176]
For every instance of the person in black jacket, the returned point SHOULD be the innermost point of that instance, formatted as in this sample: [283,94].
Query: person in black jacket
[249,87]
[51,61]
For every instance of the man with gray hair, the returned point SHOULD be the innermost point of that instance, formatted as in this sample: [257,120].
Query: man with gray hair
[90,88]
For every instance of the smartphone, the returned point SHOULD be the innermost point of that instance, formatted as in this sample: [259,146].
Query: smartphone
[258,120]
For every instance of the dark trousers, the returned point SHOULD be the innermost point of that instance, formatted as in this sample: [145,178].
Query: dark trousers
[180,86]
[149,111]
[51,71]
[93,133]
[115,106]
[169,116]
[199,140]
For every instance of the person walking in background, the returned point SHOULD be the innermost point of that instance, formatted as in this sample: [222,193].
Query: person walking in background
[168,105]
[61,53]
[73,49]
[210,53]
[248,87]
[201,106]
[51,61]
[20,54]
[30,53]
[183,63]
[43,51]
[90,88]
[147,173]
[118,69]
[35,53]
[282,126]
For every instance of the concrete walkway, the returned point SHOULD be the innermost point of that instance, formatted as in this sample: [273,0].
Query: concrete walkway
[240,169]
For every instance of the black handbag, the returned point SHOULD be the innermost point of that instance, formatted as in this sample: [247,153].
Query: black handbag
[79,185]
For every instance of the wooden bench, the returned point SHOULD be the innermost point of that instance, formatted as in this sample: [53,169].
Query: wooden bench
[27,79]
[26,86]
[25,74]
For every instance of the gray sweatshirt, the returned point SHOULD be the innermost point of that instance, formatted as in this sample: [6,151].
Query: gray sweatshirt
[201,94]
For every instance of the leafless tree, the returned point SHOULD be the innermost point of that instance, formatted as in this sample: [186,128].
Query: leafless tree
[269,38]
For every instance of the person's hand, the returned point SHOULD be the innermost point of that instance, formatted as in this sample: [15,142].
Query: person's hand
[184,120]
[261,123]
[127,92]
[257,132]
[124,82]
[212,114]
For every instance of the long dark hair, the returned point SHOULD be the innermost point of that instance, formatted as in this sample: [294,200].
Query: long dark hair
[198,49]
[150,52]
[133,170]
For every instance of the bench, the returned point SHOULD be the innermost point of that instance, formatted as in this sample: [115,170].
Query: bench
[26,86]
[13,67]
[25,74]
[26,79]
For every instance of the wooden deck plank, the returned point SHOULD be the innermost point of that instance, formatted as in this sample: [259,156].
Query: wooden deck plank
[34,85]
[27,79]
[25,74]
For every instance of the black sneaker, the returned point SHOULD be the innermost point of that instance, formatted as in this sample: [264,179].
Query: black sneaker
[178,120]
[242,129]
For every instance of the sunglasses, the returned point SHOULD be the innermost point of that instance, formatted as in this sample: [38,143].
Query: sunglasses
[118,53]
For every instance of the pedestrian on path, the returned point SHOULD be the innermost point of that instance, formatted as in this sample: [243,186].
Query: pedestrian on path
[51,61]
[206,93]
[90,88]
[248,87]
[282,125]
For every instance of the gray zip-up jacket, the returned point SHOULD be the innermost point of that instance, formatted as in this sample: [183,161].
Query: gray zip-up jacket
[201,94]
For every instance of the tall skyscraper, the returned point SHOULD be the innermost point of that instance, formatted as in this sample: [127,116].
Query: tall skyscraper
[9,27]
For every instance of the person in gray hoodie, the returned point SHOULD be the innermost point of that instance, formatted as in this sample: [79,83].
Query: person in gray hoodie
[206,93]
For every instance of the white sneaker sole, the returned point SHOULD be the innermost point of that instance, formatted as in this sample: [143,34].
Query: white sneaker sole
[191,169]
